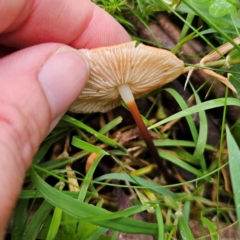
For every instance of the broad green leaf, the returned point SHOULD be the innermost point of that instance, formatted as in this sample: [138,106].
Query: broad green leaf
[212,24]
[85,230]
[205,3]
[219,8]
[69,225]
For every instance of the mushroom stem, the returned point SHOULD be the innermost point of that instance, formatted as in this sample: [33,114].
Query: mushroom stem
[128,98]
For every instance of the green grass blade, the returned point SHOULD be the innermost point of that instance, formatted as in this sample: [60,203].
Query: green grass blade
[179,162]
[220,102]
[109,126]
[87,179]
[177,143]
[184,228]
[160,223]
[98,135]
[202,135]
[226,21]
[55,223]
[124,213]
[184,107]
[234,164]
[186,210]
[138,180]
[211,24]
[97,235]
[185,28]
[61,162]
[211,228]
[114,235]
[45,146]
[187,23]
[77,142]
[82,210]
[26,194]
[37,221]
[19,219]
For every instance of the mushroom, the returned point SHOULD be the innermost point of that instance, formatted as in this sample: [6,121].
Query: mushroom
[123,72]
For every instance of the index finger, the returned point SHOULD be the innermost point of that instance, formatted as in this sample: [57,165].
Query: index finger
[80,24]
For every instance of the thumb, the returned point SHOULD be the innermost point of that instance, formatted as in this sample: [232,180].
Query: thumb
[37,85]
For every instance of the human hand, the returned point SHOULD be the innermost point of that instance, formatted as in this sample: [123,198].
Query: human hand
[38,83]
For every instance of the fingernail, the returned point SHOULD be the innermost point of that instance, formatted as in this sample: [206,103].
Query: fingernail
[62,78]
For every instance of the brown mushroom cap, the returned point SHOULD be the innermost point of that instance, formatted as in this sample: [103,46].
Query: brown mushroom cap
[142,67]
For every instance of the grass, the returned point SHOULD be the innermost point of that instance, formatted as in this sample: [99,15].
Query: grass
[205,188]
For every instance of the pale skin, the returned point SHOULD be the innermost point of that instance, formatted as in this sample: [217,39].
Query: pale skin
[33,91]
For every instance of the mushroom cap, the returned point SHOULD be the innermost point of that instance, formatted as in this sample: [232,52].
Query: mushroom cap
[142,67]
